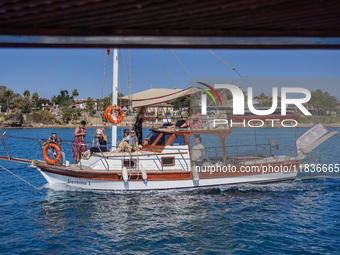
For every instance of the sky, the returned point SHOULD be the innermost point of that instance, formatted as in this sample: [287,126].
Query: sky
[48,71]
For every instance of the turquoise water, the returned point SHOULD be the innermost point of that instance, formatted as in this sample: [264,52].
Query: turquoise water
[294,217]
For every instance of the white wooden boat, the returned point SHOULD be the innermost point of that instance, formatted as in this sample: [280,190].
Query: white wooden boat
[166,164]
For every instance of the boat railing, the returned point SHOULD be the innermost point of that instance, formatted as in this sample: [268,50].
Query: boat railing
[18,137]
[240,154]
[105,160]
[68,145]
[236,154]
[315,158]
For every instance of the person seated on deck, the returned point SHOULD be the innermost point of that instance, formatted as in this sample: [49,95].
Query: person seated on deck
[131,145]
[125,141]
[101,141]
[51,152]
[133,142]
[197,151]
[182,123]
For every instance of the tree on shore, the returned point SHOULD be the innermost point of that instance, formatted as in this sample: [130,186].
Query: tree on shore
[104,103]
[27,93]
[89,106]
[63,99]
[66,116]
[75,93]
[8,93]
[181,102]
[35,96]
[36,100]
[322,102]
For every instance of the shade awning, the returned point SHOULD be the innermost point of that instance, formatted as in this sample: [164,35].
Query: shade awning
[156,96]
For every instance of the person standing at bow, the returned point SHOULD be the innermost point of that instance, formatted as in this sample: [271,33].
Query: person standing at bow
[79,144]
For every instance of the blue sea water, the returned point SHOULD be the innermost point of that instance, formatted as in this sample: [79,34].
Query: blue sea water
[295,217]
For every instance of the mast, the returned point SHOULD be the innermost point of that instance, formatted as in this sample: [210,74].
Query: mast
[114,93]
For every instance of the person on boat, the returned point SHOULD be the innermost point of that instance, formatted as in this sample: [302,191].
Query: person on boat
[182,123]
[197,152]
[101,141]
[124,142]
[138,126]
[79,144]
[51,152]
[133,141]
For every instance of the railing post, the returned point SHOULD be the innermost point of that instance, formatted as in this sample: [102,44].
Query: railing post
[184,159]
[157,158]
[108,166]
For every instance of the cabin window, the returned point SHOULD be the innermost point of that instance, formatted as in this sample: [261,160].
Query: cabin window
[168,161]
[129,163]
[162,141]
[179,140]
[153,138]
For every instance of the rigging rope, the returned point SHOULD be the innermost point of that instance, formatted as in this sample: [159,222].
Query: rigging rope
[159,59]
[20,178]
[239,74]
[41,82]
[172,55]
[126,75]
[182,63]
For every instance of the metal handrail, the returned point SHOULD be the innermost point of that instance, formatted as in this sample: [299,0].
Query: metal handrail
[160,162]
[108,166]
[183,159]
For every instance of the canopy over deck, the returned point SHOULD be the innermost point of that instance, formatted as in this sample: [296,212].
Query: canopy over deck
[155,96]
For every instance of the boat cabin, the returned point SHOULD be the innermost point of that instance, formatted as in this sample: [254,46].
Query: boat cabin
[161,138]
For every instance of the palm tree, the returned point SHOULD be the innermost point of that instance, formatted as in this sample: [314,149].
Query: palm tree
[54,99]
[262,96]
[75,93]
[89,104]
[8,93]
[27,93]
[35,96]
[17,101]
[64,94]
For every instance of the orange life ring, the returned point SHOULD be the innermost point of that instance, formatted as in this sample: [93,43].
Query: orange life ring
[118,112]
[57,148]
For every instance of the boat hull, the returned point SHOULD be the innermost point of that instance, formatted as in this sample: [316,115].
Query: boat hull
[170,182]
